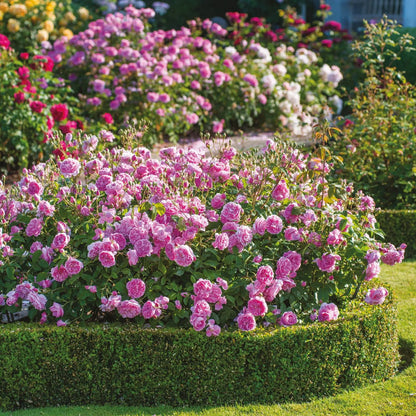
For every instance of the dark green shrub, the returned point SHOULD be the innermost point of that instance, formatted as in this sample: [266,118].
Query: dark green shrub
[407,62]
[50,366]
[399,227]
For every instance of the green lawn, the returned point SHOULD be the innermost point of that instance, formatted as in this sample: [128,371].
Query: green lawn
[395,397]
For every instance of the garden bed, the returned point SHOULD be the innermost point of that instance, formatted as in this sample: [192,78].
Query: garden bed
[123,364]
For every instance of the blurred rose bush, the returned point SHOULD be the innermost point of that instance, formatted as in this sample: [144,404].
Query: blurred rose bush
[193,79]
[258,238]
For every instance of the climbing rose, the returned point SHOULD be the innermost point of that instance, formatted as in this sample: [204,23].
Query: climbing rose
[136,288]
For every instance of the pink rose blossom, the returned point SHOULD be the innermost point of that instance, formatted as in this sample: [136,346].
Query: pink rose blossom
[265,275]
[198,322]
[213,329]
[288,319]
[327,262]
[246,321]
[292,234]
[143,247]
[295,258]
[281,191]
[34,227]
[284,268]
[92,289]
[376,296]
[60,241]
[59,273]
[184,256]
[335,237]
[107,258]
[202,308]
[61,323]
[69,167]
[221,241]
[202,288]
[328,312]
[257,306]
[231,212]
[129,309]
[149,310]
[274,224]
[372,270]
[271,292]
[136,288]
[218,201]
[259,226]
[73,266]
[57,310]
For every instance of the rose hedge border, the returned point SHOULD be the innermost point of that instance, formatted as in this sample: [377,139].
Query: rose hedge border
[122,364]
[399,227]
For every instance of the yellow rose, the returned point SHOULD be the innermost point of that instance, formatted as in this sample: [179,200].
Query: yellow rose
[1,15]
[48,26]
[70,17]
[34,20]
[63,22]
[31,3]
[13,25]
[66,32]
[18,10]
[4,7]
[42,35]
[84,14]
[50,6]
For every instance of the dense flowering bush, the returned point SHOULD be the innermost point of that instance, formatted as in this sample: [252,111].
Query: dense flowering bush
[31,22]
[379,145]
[32,103]
[181,80]
[188,239]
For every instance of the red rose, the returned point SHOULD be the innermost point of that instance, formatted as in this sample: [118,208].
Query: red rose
[68,127]
[37,106]
[108,118]
[19,97]
[24,55]
[327,43]
[45,62]
[4,41]
[59,112]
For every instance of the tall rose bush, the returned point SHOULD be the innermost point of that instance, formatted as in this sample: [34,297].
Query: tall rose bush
[190,239]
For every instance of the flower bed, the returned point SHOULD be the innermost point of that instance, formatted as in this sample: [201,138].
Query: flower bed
[111,364]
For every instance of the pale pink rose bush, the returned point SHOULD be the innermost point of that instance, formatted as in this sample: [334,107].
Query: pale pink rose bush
[187,239]
[192,78]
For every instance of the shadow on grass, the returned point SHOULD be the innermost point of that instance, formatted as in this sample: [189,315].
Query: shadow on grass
[407,353]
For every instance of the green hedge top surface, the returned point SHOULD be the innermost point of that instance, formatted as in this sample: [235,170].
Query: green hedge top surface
[123,364]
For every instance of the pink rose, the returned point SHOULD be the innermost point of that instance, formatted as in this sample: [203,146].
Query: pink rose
[376,296]
[327,262]
[59,273]
[274,224]
[271,292]
[129,309]
[57,310]
[372,256]
[292,234]
[73,266]
[34,188]
[60,241]
[60,323]
[231,212]
[284,268]
[34,227]
[288,318]
[281,191]
[259,226]
[295,258]
[107,258]
[69,167]
[136,288]
[218,201]
[335,237]
[202,288]
[149,310]
[221,241]
[257,306]
[212,329]
[198,322]
[372,270]
[143,248]
[184,256]
[328,312]
[265,275]
[38,301]
[202,308]
[246,321]
[133,257]
[244,235]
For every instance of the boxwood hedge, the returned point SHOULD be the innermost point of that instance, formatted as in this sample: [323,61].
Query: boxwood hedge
[399,227]
[123,364]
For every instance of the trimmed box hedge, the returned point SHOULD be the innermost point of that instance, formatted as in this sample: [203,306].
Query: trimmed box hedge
[122,364]
[399,227]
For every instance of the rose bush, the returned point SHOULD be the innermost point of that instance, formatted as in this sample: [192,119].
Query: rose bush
[34,100]
[237,239]
[191,79]
[30,23]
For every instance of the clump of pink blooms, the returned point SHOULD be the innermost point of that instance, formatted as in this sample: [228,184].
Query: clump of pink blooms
[180,78]
[187,239]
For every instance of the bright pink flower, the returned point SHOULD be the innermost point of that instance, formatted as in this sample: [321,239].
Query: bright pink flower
[34,188]
[295,258]
[107,258]
[37,301]
[328,312]
[221,241]
[372,270]
[59,112]
[202,308]
[257,306]
[60,241]
[59,273]
[202,288]
[184,256]
[246,321]
[129,309]
[198,322]
[149,310]
[108,118]
[284,268]
[143,247]
[34,227]
[92,289]
[231,212]
[265,275]
[271,292]
[274,224]
[212,329]
[327,262]
[57,310]
[69,167]
[335,237]
[218,201]
[60,323]
[376,296]
[281,191]
[73,266]
[292,234]
[288,319]
[136,288]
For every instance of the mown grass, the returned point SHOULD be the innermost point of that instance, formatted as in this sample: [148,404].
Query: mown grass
[395,397]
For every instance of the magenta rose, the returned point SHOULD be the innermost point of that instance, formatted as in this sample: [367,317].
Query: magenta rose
[274,224]
[246,321]
[328,312]
[376,296]
[57,310]
[70,167]
[184,256]
[73,266]
[257,306]
[107,258]
[60,241]
[231,212]
[59,273]
[136,288]
[203,288]
[129,308]
[295,258]
[149,310]
[327,263]
[372,270]
[198,322]
[34,227]
[221,241]
[202,308]
[289,318]
[281,191]
[265,275]
[218,201]
[283,268]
